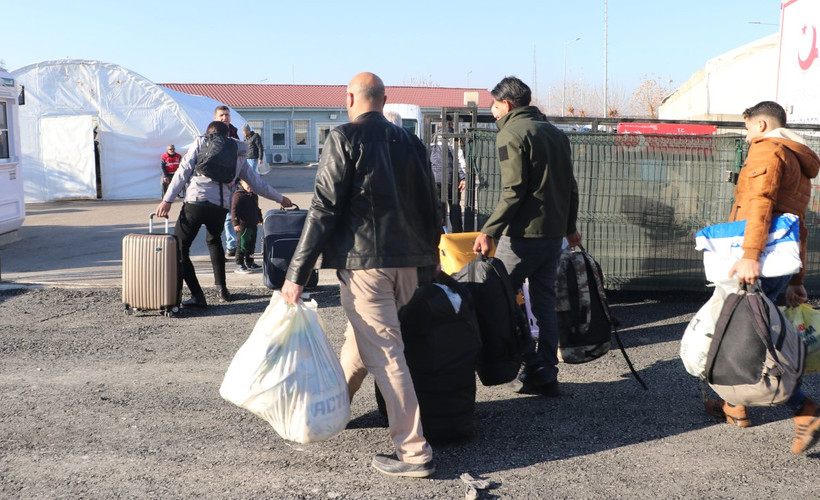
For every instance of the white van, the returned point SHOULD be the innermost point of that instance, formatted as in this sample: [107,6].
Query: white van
[12,190]
[410,116]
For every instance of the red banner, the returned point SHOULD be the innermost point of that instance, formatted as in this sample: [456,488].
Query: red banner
[666,129]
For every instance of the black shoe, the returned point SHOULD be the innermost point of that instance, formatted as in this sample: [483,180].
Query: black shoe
[231,252]
[534,382]
[198,302]
[224,295]
[390,465]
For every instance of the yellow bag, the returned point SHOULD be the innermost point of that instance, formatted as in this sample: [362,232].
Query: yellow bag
[806,320]
[456,250]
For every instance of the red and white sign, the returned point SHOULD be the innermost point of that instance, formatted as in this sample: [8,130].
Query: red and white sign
[666,128]
[798,75]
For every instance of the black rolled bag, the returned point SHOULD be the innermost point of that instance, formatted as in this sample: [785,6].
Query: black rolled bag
[442,348]
[502,322]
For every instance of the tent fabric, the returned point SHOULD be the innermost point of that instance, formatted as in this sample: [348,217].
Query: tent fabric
[717,92]
[135,120]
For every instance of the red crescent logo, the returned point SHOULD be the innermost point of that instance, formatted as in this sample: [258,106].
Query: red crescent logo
[806,63]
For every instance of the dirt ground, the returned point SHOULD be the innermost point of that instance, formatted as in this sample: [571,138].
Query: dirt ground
[97,404]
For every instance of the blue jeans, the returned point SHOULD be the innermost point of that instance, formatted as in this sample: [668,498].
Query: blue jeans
[536,259]
[230,232]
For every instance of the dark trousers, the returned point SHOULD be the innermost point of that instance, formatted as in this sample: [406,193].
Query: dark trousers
[246,245]
[455,209]
[536,259]
[191,217]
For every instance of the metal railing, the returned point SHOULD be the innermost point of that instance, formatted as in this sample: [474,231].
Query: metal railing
[642,198]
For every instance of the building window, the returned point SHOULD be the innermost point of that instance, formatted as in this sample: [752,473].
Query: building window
[258,126]
[4,132]
[300,132]
[323,131]
[279,133]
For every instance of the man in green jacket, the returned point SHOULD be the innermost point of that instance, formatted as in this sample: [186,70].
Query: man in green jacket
[537,209]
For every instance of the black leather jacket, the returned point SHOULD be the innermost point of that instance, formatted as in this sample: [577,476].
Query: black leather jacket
[374,204]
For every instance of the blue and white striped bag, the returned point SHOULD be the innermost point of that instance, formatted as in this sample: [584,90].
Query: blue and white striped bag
[722,247]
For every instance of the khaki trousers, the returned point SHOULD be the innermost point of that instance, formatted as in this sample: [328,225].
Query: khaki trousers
[373,344]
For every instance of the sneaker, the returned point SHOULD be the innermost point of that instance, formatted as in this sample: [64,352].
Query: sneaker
[390,465]
[231,252]
[198,302]
[241,269]
[224,295]
[252,266]
[806,427]
[734,414]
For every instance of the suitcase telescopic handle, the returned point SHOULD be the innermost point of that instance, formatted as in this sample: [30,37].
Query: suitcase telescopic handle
[151,223]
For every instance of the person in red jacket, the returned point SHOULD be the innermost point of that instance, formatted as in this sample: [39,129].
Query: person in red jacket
[170,164]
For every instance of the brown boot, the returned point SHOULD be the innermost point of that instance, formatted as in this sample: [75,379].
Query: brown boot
[734,414]
[806,427]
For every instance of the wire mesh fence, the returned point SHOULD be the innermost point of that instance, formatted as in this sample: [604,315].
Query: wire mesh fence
[642,199]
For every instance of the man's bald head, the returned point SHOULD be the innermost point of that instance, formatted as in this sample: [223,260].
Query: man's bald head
[365,93]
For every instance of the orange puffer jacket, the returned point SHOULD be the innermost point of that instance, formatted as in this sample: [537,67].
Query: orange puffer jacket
[775,179]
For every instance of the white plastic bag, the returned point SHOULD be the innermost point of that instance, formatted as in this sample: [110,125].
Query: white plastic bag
[721,245]
[288,374]
[694,345]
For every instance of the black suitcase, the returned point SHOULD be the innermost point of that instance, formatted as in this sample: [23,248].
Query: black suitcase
[442,348]
[281,229]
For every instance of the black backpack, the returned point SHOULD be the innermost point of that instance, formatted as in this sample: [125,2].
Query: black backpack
[756,357]
[585,323]
[501,321]
[217,159]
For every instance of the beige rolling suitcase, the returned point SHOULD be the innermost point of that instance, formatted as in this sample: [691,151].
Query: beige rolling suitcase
[151,271]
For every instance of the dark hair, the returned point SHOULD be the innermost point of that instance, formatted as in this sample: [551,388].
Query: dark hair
[222,107]
[767,108]
[216,127]
[513,90]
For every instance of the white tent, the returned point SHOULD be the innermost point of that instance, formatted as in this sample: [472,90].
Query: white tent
[135,119]
[728,84]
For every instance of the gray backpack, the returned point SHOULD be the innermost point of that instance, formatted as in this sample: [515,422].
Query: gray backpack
[756,357]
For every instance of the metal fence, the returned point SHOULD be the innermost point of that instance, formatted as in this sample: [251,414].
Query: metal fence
[642,198]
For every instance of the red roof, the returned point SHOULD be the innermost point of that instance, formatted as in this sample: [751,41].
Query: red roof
[321,96]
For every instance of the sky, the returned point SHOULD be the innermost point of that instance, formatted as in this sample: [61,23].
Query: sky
[447,43]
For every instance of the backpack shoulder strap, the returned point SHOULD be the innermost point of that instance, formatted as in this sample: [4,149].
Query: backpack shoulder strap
[613,323]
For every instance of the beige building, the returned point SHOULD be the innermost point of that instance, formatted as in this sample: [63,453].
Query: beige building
[728,84]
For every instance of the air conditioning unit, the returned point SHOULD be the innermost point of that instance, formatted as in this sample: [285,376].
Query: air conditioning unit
[279,158]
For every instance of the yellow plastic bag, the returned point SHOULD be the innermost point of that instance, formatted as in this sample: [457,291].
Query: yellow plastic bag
[288,374]
[456,250]
[806,320]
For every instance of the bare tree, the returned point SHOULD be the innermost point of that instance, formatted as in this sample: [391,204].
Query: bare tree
[583,100]
[647,98]
[424,81]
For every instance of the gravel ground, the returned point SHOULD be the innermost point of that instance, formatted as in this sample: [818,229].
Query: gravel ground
[97,404]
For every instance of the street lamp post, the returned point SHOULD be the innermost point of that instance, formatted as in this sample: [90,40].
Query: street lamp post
[564,94]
